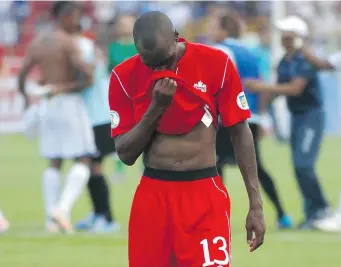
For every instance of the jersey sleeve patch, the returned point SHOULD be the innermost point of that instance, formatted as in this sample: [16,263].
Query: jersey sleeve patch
[242,101]
[115,119]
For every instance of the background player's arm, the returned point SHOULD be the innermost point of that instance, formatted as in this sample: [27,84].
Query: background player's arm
[131,139]
[29,64]
[316,61]
[234,112]
[305,72]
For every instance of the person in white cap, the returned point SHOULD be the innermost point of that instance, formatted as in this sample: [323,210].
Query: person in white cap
[332,223]
[298,80]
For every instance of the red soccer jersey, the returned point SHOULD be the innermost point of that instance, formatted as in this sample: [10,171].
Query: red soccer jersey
[207,82]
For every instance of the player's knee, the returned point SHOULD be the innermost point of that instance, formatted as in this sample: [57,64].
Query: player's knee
[80,169]
[85,161]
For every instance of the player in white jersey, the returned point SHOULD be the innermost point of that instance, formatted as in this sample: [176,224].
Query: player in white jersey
[332,223]
[64,127]
[95,98]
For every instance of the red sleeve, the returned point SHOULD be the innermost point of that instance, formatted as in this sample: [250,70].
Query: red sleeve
[232,103]
[121,107]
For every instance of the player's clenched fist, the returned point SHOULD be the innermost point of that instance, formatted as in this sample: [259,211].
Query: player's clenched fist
[163,92]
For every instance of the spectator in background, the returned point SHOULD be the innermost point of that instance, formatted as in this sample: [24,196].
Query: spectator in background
[263,53]
[118,51]
[297,79]
[124,47]
[180,12]
[225,31]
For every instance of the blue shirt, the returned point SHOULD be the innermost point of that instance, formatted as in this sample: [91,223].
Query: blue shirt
[264,61]
[246,64]
[299,67]
[96,96]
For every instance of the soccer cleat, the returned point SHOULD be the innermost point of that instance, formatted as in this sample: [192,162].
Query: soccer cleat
[309,223]
[306,225]
[4,224]
[285,222]
[329,224]
[101,225]
[62,220]
[87,223]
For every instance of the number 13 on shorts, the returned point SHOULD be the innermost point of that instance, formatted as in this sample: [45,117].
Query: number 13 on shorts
[221,250]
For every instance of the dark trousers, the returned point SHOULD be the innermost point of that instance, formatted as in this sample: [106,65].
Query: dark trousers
[306,137]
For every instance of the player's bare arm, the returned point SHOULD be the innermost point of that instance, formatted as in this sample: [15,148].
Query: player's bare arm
[243,144]
[131,145]
[293,88]
[29,63]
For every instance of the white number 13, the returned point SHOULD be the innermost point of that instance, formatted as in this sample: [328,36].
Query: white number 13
[223,248]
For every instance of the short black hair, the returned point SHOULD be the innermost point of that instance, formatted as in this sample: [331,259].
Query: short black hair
[230,23]
[147,26]
[59,7]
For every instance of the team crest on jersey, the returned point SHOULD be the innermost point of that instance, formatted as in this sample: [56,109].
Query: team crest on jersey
[115,119]
[242,101]
[200,86]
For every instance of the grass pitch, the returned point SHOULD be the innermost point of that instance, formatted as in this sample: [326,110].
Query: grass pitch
[27,245]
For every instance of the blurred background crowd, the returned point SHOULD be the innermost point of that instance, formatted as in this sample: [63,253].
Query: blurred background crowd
[110,22]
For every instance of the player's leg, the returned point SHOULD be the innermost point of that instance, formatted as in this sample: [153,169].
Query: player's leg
[76,180]
[150,240]
[267,183]
[201,223]
[51,190]
[97,185]
[100,194]
[307,133]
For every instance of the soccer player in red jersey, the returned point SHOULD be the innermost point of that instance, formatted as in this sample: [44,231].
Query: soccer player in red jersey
[165,102]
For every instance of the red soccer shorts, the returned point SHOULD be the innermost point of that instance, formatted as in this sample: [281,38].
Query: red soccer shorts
[180,219]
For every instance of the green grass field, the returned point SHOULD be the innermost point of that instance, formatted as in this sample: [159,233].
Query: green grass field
[26,244]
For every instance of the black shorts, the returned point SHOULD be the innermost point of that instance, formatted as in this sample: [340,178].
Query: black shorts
[104,143]
[224,147]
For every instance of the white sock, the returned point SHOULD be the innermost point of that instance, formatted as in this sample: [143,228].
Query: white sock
[51,186]
[76,180]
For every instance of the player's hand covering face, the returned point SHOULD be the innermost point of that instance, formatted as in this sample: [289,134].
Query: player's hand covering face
[163,92]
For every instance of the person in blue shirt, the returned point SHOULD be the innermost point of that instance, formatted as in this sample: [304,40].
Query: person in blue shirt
[225,31]
[263,53]
[95,99]
[298,80]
